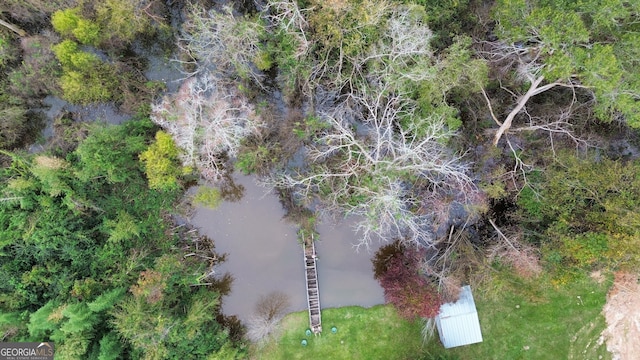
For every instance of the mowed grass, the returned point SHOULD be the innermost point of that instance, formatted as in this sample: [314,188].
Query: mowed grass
[519,320]
[363,333]
[528,320]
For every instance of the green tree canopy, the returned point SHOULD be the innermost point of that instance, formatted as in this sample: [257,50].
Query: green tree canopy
[587,210]
[591,44]
[76,233]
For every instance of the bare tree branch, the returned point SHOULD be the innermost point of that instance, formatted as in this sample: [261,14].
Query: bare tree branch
[206,119]
[526,60]
[493,115]
[521,103]
[13,28]
[223,41]
[286,15]
[373,165]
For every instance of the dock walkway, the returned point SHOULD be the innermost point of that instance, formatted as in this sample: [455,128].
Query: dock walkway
[313,293]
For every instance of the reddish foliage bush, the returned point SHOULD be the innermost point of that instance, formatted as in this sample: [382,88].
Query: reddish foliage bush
[409,291]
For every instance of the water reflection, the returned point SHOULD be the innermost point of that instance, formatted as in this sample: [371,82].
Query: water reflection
[264,255]
[345,274]
[231,190]
[105,112]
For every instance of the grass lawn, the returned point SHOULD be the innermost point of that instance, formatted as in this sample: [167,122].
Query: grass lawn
[374,333]
[539,321]
[519,320]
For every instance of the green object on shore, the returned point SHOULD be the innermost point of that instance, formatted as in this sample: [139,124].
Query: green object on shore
[303,342]
[334,329]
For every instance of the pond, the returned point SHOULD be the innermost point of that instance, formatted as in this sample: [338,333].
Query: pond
[264,255]
[160,68]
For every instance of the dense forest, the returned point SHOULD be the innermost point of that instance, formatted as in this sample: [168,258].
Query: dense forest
[464,133]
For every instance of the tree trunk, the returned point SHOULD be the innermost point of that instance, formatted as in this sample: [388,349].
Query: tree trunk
[13,28]
[523,101]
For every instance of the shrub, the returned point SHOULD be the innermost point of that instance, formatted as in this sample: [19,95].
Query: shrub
[127,20]
[70,23]
[37,74]
[64,51]
[588,212]
[529,201]
[585,250]
[263,60]
[268,312]
[87,32]
[397,268]
[85,78]
[161,162]
[252,160]
[65,21]
[12,125]
[8,51]
[71,56]
[88,87]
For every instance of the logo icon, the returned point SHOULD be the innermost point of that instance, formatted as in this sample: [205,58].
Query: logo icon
[46,344]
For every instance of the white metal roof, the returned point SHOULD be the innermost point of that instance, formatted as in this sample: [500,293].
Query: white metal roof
[458,322]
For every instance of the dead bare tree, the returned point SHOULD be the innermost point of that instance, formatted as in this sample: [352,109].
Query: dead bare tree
[382,172]
[404,51]
[207,119]
[222,41]
[287,16]
[13,28]
[394,176]
[269,310]
[527,62]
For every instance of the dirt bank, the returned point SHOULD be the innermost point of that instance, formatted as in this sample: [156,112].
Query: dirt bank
[622,312]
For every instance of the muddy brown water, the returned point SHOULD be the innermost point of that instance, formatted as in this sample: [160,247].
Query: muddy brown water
[264,255]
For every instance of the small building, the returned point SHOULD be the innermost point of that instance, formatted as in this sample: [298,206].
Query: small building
[458,322]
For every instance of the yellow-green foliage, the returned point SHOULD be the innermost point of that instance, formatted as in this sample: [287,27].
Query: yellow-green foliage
[585,250]
[70,56]
[49,171]
[65,21]
[263,60]
[351,25]
[91,86]
[122,19]
[70,23]
[85,78]
[87,32]
[117,19]
[124,227]
[161,162]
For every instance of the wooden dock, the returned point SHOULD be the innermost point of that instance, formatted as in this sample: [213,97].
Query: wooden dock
[313,293]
